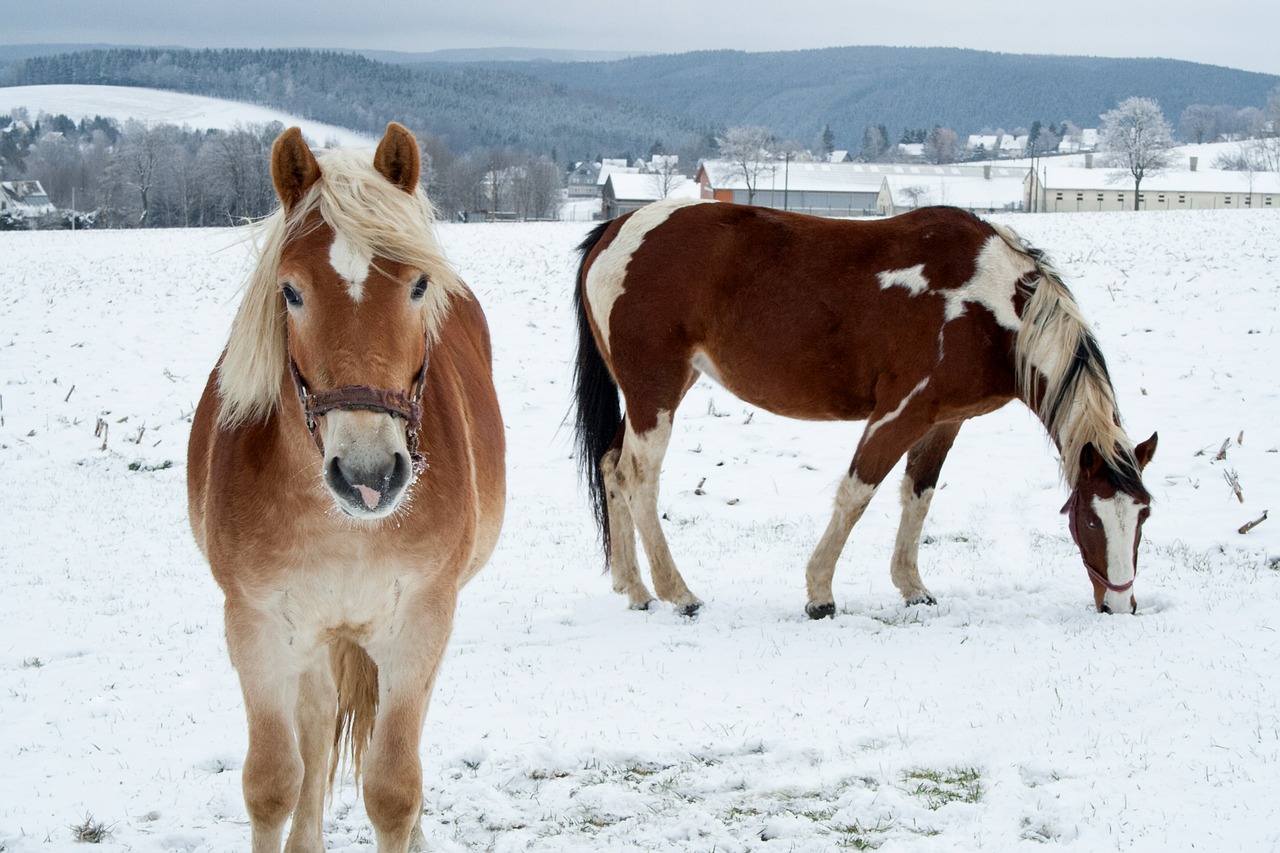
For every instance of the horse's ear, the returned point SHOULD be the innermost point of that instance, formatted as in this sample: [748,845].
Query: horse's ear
[1146,451]
[293,167]
[397,157]
[1090,460]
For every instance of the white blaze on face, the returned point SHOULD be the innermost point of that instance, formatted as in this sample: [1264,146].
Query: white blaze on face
[609,270]
[1119,517]
[352,262]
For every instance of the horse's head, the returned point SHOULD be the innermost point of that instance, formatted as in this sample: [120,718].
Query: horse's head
[356,319]
[1106,512]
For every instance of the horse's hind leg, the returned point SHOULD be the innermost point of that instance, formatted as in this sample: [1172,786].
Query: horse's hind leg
[317,699]
[622,537]
[924,462]
[637,472]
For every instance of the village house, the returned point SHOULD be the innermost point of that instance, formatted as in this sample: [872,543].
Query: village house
[24,201]
[624,192]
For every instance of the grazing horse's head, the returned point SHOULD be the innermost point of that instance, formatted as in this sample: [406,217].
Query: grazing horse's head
[355,272]
[1106,511]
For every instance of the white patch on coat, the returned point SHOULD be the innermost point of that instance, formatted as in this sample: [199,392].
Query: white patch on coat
[993,284]
[607,276]
[351,261]
[892,416]
[1119,517]
[911,278]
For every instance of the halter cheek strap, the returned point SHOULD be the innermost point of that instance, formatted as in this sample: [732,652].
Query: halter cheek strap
[1097,576]
[399,404]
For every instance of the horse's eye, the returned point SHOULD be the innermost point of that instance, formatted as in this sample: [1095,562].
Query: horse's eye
[419,288]
[292,297]
[1092,523]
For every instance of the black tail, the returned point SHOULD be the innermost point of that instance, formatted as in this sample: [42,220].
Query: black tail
[597,412]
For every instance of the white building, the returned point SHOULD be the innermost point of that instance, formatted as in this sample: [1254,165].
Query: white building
[861,189]
[1054,188]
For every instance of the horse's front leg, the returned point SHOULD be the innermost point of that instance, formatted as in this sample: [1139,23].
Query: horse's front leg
[894,427]
[407,666]
[269,665]
[924,463]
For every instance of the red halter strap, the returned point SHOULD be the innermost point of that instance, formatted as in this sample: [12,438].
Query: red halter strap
[1097,576]
[399,404]
[1114,587]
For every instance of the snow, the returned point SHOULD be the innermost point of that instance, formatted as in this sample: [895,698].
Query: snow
[564,722]
[157,106]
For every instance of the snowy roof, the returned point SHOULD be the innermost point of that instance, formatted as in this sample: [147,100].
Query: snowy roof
[1183,180]
[960,187]
[801,177]
[614,167]
[635,187]
[25,196]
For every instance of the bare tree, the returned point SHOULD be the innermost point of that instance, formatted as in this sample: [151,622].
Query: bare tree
[140,161]
[914,194]
[1137,139]
[941,146]
[749,151]
[1265,146]
[665,173]
[535,188]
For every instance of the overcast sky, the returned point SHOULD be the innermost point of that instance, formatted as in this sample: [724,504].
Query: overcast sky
[1235,33]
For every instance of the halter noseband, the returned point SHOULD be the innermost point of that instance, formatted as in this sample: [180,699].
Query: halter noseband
[398,404]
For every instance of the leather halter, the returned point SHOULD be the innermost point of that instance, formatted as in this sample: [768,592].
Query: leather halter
[1097,576]
[406,405]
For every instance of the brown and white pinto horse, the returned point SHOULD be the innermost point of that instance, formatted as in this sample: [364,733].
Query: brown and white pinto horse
[914,323]
[346,478]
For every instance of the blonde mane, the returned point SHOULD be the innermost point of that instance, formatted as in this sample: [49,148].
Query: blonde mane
[355,200]
[1061,373]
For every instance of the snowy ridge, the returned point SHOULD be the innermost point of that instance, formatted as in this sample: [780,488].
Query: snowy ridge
[161,107]
[562,722]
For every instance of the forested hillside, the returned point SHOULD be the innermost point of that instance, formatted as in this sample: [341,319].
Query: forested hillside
[576,110]
[467,107]
[796,93]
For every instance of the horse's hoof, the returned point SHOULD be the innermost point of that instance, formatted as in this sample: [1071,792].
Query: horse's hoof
[826,610]
[922,598]
[690,609]
[641,605]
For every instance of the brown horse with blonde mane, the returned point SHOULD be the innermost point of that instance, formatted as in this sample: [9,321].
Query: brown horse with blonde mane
[914,324]
[346,478]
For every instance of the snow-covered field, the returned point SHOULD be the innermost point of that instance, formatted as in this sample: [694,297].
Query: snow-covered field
[157,106]
[1010,713]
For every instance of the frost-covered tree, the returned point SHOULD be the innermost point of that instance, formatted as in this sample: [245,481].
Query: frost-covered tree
[749,150]
[1266,135]
[1137,139]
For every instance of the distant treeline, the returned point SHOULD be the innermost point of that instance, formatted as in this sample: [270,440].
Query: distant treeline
[677,103]
[465,108]
[101,174]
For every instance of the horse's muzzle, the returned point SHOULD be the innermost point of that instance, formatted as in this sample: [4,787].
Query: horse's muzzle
[368,492]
